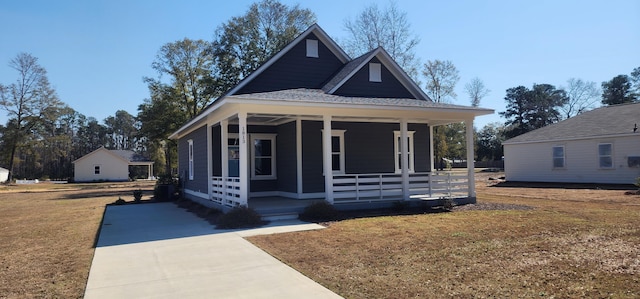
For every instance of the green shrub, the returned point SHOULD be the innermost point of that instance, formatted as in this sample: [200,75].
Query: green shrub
[120,201]
[137,195]
[447,203]
[319,212]
[637,183]
[240,217]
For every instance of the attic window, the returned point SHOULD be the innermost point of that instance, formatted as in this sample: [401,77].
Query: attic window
[312,48]
[374,72]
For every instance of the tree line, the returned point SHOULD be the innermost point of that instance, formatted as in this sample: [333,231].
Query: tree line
[43,135]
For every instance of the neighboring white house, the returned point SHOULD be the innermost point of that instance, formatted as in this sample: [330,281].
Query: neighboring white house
[598,146]
[4,174]
[108,165]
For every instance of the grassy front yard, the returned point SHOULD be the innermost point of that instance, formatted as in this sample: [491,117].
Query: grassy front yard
[573,244]
[47,235]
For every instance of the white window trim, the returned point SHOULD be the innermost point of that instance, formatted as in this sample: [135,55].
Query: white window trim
[396,149]
[272,138]
[312,48]
[99,169]
[190,142]
[340,135]
[375,72]
[601,156]
[564,157]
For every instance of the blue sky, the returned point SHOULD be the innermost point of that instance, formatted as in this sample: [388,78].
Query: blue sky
[97,52]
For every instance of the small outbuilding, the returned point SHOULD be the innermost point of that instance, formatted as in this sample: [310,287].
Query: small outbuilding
[108,165]
[599,146]
[4,174]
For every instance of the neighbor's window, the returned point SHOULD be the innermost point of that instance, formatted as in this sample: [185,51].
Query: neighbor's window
[96,169]
[398,150]
[633,161]
[312,48]
[190,159]
[605,155]
[558,157]
[263,155]
[375,70]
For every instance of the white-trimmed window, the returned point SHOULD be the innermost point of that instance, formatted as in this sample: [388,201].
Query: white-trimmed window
[397,147]
[558,156]
[312,48]
[263,155]
[337,151]
[605,155]
[190,159]
[375,72]
[96,169]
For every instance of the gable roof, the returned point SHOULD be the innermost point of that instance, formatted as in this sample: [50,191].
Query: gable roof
[124,155]
[383,56]
[608,121]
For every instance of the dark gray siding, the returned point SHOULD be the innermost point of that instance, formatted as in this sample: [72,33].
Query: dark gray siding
[200,180]
[296,70]
[216,150]
[368,149]
[286,158]
[360,86]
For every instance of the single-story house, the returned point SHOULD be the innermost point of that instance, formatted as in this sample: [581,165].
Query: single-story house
[4,174]
[108,165]
[598,146]
[313,123]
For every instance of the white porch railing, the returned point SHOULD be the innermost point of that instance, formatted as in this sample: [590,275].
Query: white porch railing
[226,191]
[388,186]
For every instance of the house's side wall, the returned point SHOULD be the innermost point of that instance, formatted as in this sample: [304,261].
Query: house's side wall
[368,149]
[111,168]
[359,85]
[200,160]
[296,70]
[4,175]
[533,162]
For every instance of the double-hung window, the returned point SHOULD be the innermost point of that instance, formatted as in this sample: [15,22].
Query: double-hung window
[397,146]
[96,169]
[558,156]
[263,155]
[605,155]
[190,159]
[337,151]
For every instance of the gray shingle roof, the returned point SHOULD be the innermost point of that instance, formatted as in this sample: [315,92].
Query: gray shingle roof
[604,121]
[319,96]
[346,70]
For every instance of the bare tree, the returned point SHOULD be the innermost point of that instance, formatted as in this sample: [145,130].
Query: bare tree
[387,28]
[583,96]
[476,90]
[442,77]
[27,101]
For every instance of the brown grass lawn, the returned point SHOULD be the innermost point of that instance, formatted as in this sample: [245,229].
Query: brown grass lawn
[47,235]
[575,243]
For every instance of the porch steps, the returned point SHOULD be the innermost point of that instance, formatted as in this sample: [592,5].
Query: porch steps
[275,216]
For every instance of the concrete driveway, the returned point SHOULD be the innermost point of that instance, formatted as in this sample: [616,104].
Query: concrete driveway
[162,251]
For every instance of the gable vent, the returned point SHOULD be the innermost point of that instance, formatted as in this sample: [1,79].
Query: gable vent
[375,72]
[312,48]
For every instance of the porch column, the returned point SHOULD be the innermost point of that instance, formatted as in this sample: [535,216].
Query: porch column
[326,158]
[224,147]
[431,153]
[470,156]
[244,158]
[209,161]
[404,163]
[299,156]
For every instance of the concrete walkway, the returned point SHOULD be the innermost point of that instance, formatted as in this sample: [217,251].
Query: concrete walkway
[162,251]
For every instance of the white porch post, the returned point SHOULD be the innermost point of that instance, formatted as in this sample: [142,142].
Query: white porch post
[431,153]
[326,158]
[299,156]
[224,147]
[404,150]
[470,156]
[244,158]
[209,161]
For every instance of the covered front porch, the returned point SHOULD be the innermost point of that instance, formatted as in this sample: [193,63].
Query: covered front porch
[269,155]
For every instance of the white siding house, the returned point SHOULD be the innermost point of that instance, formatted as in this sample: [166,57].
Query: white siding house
[106,165]
[599,146]
[4,175]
